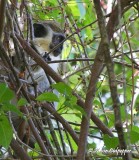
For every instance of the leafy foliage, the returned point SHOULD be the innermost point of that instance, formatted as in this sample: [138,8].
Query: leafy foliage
[6,133]
[48,96]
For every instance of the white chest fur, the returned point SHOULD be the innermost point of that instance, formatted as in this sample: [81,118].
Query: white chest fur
[40,76]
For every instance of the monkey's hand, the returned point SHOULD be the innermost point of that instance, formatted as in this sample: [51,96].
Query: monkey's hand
[46,57]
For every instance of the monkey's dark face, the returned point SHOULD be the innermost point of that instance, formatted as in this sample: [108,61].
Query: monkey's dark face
[57,39]
[46,39]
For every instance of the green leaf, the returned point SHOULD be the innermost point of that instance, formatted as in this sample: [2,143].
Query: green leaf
[73,100]
[111,119]
[133,136]
[74,8]
[62,88]
[48,96]
[74,145]
[123,114]
[22,102]
[80,109]
[6,133]
[74,79]
[135,128]
[110,142]
[10,107]
[5,93]
[70,101]
[60,104]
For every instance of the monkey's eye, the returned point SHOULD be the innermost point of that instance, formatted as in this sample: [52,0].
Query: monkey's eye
[58,38]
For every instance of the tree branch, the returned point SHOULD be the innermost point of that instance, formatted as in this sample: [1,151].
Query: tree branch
[2,16]
[19,151]
[112,79]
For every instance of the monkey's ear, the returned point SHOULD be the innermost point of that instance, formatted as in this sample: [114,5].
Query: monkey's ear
[39,30]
